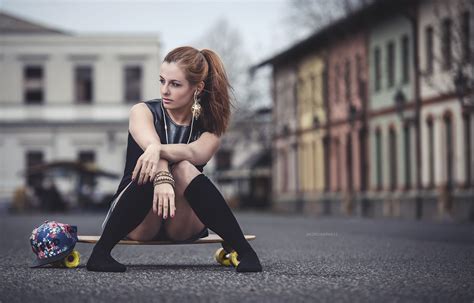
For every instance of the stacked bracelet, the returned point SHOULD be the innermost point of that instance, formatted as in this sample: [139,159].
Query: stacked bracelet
[164,177]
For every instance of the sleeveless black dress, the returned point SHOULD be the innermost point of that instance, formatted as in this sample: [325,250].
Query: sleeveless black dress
[176,134]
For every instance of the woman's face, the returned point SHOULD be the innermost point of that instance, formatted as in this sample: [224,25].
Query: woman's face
[174,86]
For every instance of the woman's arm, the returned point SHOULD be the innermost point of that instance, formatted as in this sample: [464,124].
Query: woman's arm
[141,126]
[198,152]
[142,129]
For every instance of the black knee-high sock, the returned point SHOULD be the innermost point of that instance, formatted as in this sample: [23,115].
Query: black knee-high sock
[132,207]
[212,209]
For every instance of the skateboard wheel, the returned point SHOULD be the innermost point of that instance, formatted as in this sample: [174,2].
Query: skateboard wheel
[233,258]
[72,260]
[221,257]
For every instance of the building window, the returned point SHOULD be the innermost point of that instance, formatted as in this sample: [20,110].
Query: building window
[392,148]
[429,49]
[86,156]
[327,176]
[467,148]
[349,165]
[449,150]
[377,71]
[34,158]
[446,38]
[347,80]
[284,177]
[360,88]
[390,64]
[84,84]
[133,83]
[431,162]
[337,147]
[362,158]
[378,153]
[407,136]
[33,84]
[466,39]
[336,83]
[405,59]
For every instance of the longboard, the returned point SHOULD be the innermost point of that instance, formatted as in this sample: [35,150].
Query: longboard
[212,238]
[225,256]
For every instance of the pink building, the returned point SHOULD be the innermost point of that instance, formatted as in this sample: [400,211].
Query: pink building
[347,101]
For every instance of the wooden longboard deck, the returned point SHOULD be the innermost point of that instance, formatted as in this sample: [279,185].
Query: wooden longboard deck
[212,238]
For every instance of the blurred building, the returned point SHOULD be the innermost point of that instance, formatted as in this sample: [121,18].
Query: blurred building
[242,165]
[393,134]
[67,96]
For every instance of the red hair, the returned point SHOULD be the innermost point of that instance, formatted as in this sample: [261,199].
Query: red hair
[206,65]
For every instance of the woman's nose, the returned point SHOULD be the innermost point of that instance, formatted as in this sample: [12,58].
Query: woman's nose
[165,89]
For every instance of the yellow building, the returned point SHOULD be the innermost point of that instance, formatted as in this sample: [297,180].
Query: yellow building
[311,119]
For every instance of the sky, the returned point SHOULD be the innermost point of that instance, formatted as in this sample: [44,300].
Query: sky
[176,23]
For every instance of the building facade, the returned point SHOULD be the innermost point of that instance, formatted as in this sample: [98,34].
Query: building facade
[66,96]
[397,141]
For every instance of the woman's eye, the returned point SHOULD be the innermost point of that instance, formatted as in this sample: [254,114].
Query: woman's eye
[176,84]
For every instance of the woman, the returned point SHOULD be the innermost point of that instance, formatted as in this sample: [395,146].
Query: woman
[163,177]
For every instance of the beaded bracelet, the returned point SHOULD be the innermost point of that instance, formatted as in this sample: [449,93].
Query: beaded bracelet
[164,181]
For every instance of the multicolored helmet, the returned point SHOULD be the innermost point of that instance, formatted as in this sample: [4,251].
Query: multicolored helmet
[52,241]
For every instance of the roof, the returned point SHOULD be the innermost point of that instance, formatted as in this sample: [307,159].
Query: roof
[10,24]
[334,31]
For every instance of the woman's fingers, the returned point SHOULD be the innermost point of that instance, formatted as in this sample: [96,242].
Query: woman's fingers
[172,205]
[160,205]
[152,172]
[155,202]
[137,168]
[144,173]
[165,207]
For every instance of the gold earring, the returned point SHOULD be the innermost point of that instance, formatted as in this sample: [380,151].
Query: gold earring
[196,108]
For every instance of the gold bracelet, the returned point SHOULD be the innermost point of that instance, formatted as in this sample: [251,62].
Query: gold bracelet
[163,176]
[164,172]
[164,181]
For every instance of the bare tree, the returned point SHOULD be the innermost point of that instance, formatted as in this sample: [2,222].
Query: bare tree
[307,16]
[456,47]
[227,42]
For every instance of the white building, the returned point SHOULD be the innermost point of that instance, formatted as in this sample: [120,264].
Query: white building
[66,96]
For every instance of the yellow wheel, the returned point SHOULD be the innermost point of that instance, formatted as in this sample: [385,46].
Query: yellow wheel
[233,258]
[73,259]
[221,257]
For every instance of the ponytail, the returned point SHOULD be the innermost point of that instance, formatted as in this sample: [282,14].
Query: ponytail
[216,95]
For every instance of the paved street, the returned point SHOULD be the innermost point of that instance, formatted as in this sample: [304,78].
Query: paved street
[304,259]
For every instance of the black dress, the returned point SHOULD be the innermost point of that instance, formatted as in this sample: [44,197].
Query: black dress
[176,134]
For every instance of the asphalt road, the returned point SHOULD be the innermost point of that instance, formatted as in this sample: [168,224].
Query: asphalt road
[305,259]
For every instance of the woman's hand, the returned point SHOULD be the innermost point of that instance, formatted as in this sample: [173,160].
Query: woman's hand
[163,200]
[147,165]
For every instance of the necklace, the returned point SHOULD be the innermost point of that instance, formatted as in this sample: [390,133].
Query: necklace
[166,125]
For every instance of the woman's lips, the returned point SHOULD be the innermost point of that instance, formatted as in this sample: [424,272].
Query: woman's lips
[166,100]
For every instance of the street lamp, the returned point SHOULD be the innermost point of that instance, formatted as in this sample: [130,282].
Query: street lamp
[462,85]
[351,114]
[316,122]
[400,101]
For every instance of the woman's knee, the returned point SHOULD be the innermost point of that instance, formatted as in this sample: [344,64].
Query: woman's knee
[185,171]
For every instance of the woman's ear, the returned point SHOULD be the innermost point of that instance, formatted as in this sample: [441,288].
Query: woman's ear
[200,87]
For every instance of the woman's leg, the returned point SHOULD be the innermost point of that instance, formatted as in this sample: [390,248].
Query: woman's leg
[185,223]
[148,229]
[130,210]
[211,208]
